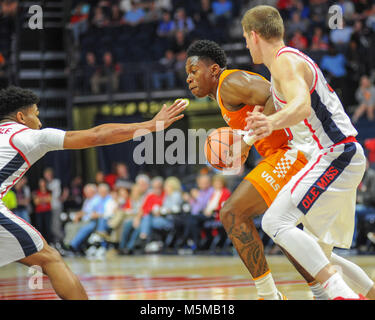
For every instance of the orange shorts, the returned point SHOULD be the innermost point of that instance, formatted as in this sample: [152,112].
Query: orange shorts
[275,171]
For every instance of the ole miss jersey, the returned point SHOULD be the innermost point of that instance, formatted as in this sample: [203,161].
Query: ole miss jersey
[328,123]
[20,147]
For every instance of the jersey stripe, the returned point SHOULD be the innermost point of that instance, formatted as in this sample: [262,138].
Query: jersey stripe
[325,117]
[26,242]
[11,167]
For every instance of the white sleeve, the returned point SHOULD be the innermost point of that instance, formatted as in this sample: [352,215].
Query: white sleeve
[34,144]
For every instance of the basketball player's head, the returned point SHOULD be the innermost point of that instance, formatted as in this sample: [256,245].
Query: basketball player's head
[20,105]
[203,66]
[261,24]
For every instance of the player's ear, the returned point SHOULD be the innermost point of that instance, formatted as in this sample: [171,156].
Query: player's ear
[20,117]
[215,69]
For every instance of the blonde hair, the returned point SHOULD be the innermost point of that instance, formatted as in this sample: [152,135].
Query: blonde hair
[264,20]
[221,178]
[174,183]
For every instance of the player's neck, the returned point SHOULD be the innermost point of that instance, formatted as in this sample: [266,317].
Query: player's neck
[212,94]
[270,50]
[8,119]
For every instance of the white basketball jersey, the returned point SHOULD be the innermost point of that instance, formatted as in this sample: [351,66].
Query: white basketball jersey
[328,123]
[20,147]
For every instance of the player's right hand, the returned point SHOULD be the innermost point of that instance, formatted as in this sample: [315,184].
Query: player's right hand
[169,114]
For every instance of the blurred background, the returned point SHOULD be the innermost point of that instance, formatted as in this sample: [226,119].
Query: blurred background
[94,62]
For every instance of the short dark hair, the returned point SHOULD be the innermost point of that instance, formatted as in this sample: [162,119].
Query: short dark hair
[208,49]
[13,99]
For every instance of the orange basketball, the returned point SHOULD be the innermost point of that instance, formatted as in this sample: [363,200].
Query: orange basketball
[218,143]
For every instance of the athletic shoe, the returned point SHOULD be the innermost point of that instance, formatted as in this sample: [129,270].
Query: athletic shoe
[279,295]
[360,297]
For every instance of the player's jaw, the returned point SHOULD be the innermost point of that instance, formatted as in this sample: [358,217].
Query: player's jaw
[251,45]
[29,117]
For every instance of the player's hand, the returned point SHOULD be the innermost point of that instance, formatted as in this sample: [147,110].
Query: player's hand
[169,114]
[260,124]
[236,152]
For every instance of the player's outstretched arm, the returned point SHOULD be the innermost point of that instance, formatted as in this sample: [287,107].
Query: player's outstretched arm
[112,133]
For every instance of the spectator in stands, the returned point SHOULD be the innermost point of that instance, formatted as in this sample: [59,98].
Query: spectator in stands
[167,26]
[164,72]
[334,66]
[72,196]
[295,24]
[365,205]
[365,96]
[2,66]
[99,20]
[89,70]
[78,23]
[135,15]
[319,41]
[99,178]
[54,186]
[318,13]
[132,229]
[178,47]
[340,37]
[82,217]
[116,16]
[107,74]
[370,147]
[298,41]
[182,22]
[23,196]
[42,198]
[97,218]
[160,217]
[222,10]
[370,22]
[211,214]
[198,199]
[122,176]
[123,211]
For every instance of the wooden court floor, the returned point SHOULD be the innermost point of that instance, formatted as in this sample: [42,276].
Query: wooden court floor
[154,277]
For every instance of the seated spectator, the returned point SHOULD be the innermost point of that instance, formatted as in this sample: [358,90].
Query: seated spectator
[365,96]
[99,20]
[42,198]
[158,219]
[107,74]
[164,72]
[222,9]
[116,16]
[298,41]
[135,15]
[365,205]
[370,147]
[78,23]
[166,26]
[3,72]
[340,37]
[131,230]
[122,176]
[97,218]
[179,46]
[198,199]
[319,41]
[23,195]
[83,216]
[212,222]
[333,64]
[295,24]
[72,196]
[182,22]
[89,69]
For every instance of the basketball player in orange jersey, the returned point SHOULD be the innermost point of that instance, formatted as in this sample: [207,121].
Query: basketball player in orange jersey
[236,92]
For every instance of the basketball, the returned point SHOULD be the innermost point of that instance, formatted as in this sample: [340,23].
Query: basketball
[217,145]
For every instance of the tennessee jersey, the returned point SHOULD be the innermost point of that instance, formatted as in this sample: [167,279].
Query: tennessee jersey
[236,120]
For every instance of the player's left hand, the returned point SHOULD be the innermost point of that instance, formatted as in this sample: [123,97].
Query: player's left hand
[260,124]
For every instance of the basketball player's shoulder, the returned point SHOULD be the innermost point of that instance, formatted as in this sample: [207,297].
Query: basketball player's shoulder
[237,80]
[286,65]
